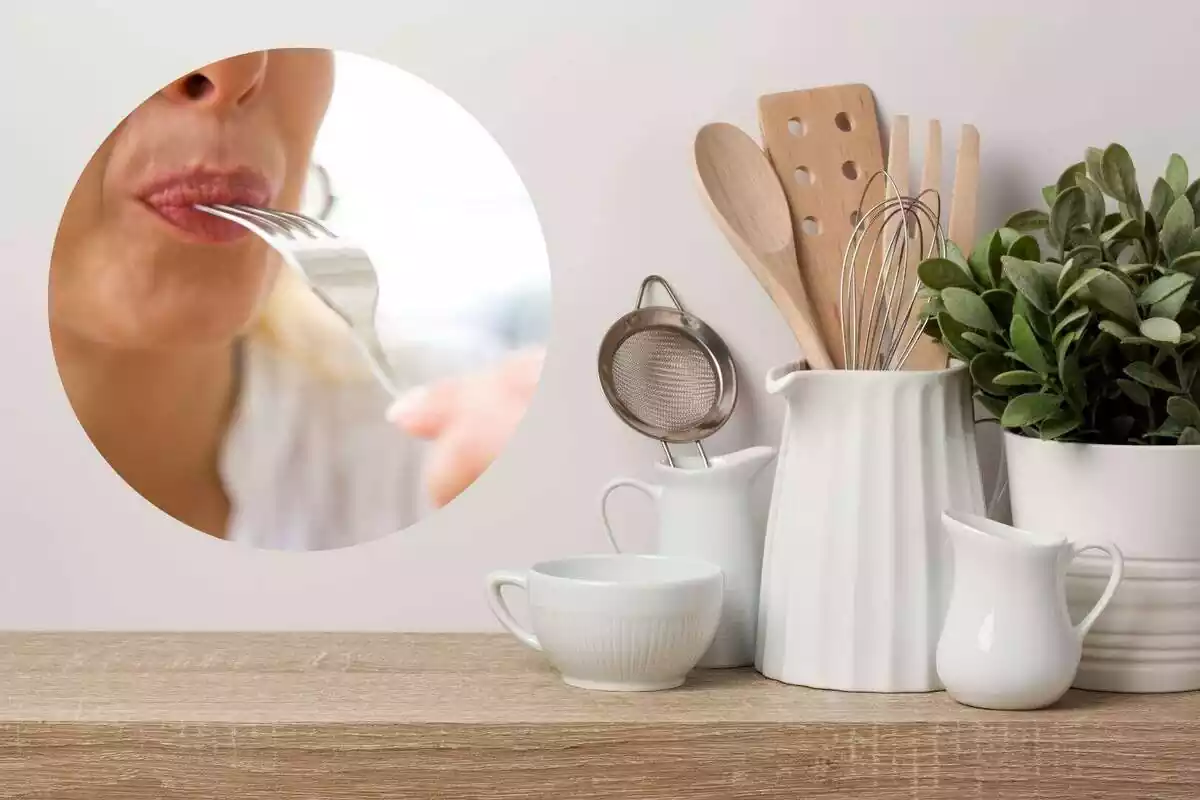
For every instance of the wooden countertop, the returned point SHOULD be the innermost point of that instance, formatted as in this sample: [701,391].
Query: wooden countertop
[340,716]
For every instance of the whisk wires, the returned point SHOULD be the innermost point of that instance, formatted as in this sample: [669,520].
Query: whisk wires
[878,289]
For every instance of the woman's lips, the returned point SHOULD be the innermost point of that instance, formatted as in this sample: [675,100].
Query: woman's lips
[175,197]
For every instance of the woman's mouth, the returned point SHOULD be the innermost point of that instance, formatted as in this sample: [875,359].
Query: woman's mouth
[175,197]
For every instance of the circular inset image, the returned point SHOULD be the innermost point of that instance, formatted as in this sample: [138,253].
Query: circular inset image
[299,299]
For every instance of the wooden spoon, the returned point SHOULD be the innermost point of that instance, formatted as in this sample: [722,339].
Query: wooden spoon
[749,206]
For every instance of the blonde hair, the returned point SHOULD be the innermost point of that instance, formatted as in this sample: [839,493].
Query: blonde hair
[298,324]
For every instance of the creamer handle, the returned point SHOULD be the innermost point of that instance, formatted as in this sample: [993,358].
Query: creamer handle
[648,489]
[1114,579]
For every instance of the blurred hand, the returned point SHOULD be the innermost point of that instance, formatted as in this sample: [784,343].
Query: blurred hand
[469,419]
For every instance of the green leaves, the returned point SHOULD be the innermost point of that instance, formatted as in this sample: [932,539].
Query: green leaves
[1113,294]
[1160,329]
[1000,301]
[1165,286]
[1115,329]
[1018,377]
[1120,179]
[942,273]
[993,405]
[985,259]
[1129,229]
[1069,211]
[1028,221]
[1094,159]
[1026,248]
[1087,277]
[1096,205]
[1177,174]
[1134,391]
[1060,425]
[1026,346]
[1147,375]
[984,369]
[1030,409]
[1029,280]
[968,308]
[955,255]
[1189,262]
[1177,228]
[1183,410]
[1070,175]
[1082,314]
[1098,338]
[952,338]
[1160,200]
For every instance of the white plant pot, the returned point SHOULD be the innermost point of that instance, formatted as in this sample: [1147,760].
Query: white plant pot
[1146,499]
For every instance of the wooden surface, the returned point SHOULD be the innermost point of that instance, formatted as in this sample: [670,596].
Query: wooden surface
[340,716]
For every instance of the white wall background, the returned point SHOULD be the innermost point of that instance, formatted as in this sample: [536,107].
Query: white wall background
[596,104]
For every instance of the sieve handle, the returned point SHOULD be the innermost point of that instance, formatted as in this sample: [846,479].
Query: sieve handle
[661,281]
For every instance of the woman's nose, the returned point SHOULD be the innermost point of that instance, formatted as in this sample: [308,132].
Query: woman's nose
[223,85]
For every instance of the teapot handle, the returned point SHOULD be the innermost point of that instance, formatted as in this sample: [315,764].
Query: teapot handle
[1114,579]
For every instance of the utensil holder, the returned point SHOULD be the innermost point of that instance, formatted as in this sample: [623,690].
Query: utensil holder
[857,567]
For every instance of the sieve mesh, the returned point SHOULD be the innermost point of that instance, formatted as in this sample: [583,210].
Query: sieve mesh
[665,379]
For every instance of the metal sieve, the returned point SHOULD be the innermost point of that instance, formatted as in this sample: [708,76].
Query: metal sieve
[667,374]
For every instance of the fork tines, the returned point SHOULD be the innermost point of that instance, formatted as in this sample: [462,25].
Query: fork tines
[271,220]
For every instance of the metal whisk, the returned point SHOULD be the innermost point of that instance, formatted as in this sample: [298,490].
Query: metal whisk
[878,290]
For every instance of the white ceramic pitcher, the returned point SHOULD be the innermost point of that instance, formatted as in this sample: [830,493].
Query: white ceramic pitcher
[707,513]
[1008,642]
[856,570]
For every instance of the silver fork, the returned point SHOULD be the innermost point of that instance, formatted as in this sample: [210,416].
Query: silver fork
[339,271]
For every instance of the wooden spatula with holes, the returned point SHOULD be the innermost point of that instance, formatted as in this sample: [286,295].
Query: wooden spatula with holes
[824,145]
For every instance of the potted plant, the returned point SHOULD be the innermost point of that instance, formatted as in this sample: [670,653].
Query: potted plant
[1080,323]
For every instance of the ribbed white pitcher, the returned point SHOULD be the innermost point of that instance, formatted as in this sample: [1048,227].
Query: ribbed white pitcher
[857,567]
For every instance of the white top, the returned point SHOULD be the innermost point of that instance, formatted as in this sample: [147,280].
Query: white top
[313,464]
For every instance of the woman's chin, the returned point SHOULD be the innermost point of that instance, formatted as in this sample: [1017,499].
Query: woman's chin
[174,326]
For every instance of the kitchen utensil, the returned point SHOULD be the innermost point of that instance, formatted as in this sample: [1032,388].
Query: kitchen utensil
[619,623]
[744,196]
[856,565]
[667,374]
[965,198]
[878,301]
[1008,642]
[824,144]
[708,514]
[337,270]
[928,353]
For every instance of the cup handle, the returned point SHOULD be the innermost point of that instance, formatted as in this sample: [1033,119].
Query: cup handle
[648,489]
[495,582]
[1114,578]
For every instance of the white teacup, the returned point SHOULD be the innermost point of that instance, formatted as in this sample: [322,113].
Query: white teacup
[617,623]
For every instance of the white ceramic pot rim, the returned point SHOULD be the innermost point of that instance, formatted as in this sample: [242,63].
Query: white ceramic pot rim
[659,571]
[782,376]
[1048,443]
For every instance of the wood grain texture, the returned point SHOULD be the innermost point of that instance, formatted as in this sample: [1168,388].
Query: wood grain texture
[748,204]
[825,145]
[283,716]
